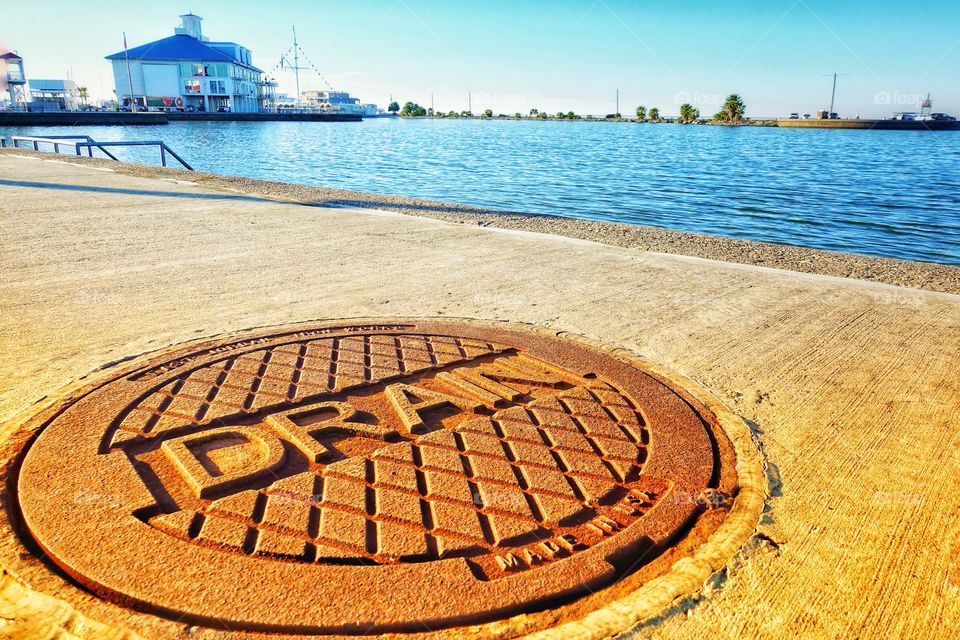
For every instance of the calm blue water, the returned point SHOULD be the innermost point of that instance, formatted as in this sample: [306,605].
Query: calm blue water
[884,193]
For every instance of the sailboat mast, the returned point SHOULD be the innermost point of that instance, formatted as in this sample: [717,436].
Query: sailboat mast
[833,96]
[296,63]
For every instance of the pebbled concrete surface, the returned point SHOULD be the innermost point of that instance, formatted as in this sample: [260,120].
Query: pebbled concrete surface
[851,386]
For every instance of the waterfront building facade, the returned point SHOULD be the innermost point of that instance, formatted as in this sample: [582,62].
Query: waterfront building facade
[13,82]
[189,71]
[336,102]
[54,95]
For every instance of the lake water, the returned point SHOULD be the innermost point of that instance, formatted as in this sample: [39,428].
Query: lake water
[883,193]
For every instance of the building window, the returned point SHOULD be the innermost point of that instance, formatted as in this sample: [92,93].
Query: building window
[191,70]
[191,86]
[216,70]
[218,87]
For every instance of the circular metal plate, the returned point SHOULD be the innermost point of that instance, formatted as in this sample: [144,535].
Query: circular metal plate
[358,478]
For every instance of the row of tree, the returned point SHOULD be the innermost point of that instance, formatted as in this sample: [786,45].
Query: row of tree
[732,112]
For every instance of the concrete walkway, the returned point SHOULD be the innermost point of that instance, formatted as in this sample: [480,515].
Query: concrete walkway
[853,386]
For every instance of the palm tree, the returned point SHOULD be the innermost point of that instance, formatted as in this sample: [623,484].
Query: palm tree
[688,113]
[641,113]
[733,109]
[655,114]
[83,94]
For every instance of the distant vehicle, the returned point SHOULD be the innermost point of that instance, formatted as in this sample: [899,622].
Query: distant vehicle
[806,116]
[222,109]
[794,116]
[905,115]
[942,117]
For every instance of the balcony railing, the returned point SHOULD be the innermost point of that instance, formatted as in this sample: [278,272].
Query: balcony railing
[15,77]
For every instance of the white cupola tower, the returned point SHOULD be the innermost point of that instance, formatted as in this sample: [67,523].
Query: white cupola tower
[190,27]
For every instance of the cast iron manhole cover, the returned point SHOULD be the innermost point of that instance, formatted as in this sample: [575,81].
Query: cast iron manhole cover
[358,478]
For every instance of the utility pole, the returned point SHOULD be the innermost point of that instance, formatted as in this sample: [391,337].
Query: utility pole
[470,102]
[133,102]
[431,102]
[617,112]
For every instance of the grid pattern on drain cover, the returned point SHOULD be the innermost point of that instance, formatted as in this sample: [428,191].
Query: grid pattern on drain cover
[555,463]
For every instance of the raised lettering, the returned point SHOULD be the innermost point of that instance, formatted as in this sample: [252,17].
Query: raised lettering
[309,438]
[510,562]
[409,401]
[264,451]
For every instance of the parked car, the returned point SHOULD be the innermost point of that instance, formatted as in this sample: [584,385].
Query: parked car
[794,116]
[223,109]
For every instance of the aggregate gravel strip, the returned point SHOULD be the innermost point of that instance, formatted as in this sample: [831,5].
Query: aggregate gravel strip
[906,273]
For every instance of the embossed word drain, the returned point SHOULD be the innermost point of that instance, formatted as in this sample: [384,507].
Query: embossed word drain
[353,478]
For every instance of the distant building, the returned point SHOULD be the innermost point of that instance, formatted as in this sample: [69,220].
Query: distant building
[54,95]
[268,94]
[336,102]
[188,71]
[285,101]
[13,82]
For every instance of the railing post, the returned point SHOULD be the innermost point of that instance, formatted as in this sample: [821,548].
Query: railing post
[36,146]
[163,156]
[56,147]
[89,152]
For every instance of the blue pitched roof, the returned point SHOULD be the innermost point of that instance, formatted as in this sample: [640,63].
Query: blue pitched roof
[178,47]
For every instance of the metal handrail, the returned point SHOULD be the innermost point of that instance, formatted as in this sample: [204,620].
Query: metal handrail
[89,144]
[56,145]
[164,149]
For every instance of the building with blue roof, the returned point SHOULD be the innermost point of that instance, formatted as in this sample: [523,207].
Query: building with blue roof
[188,71]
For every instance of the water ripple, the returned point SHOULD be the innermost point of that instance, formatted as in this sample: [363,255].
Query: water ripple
[882,193]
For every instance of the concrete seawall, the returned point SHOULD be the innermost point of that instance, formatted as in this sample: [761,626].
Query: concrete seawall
[883,125]
[79,118]
[177,116]
[108,118]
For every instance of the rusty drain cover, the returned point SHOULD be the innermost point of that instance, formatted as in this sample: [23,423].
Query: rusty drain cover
[360,478]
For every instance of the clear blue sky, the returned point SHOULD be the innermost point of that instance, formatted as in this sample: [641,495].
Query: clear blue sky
[557,55]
